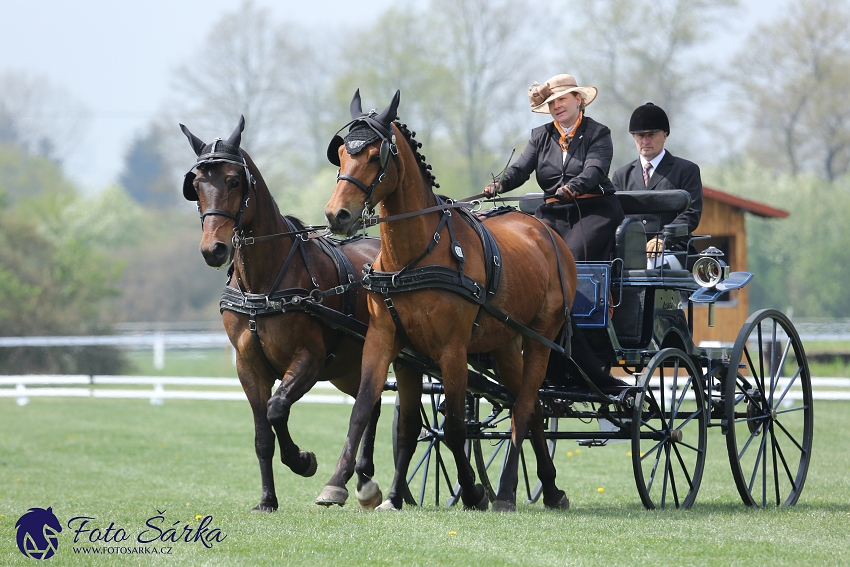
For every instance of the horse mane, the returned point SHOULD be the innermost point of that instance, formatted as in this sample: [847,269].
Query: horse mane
[424,167]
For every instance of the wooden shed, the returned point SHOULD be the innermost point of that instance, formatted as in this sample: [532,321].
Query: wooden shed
[723,219]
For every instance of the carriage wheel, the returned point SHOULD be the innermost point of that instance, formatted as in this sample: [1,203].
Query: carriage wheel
[432,475]
[768,425]
[669,427]
[491,453]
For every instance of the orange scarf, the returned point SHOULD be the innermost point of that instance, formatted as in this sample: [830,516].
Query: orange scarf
[566,138]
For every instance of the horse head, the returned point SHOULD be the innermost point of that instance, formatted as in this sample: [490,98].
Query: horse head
[363,156]
[220,182]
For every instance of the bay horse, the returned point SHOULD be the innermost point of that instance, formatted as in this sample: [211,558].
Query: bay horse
[276,314]
[454,313]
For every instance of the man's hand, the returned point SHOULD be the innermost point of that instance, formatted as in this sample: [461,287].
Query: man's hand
[490,190]
[654,248]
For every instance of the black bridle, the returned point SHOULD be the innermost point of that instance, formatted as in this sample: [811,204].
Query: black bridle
[216,157]
[388,148]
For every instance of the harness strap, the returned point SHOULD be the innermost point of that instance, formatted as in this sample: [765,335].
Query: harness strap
[522,329]
[568,328]
[375,221]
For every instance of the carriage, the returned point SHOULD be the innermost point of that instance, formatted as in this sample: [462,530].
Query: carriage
[676,391]
[301,324]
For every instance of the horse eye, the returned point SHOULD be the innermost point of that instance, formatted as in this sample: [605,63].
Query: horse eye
[233,184]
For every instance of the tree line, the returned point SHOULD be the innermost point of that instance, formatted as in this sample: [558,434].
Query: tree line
[782,137]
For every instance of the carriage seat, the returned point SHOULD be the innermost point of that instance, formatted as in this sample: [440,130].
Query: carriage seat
[632,318]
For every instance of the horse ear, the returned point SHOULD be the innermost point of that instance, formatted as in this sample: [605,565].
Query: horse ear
[389,114]
[356,108]
[236,137]
[196,142]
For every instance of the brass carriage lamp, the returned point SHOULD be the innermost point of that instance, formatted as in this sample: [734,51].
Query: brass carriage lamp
[708,271]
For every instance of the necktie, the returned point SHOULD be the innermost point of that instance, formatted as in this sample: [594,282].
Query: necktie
[646,167]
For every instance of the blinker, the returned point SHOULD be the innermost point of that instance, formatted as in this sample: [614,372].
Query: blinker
[189,192]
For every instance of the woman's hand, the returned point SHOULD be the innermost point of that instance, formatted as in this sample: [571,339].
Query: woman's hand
[564,193]
[490,190]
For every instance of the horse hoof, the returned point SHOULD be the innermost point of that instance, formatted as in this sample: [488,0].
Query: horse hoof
[332,495]
[482,504]
[312,464]
[562,504]
[369,496]
[504,506]
[263,509]
[387,505]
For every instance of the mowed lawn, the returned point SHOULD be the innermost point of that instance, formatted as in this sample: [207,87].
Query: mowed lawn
[123,462]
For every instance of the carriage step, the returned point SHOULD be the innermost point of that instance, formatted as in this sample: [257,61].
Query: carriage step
[592,442]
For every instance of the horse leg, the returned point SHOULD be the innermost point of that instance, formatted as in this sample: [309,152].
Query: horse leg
[299,378]
[527,413]
[407,432]
[368,492]
[263,436]
[378,351]
[454,369]
[509,364]
[552,496]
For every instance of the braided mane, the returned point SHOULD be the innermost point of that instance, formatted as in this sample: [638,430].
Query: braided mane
[424,167]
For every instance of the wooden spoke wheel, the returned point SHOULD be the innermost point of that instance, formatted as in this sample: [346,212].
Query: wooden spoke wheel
[669,429]
[768,407]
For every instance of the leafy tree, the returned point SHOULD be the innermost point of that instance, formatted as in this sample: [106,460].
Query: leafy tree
[26,177]
[56,277]
[797,260]
[242,67]
[145,172]
[795,75]
[638,51]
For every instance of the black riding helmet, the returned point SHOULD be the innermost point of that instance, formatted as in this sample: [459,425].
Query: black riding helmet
[647,118]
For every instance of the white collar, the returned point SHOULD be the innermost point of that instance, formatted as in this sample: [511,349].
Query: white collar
[654,161]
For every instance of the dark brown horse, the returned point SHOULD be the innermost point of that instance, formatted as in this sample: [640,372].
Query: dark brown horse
[276,308]
[538,276]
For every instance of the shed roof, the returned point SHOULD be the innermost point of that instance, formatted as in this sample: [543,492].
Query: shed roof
[758,209]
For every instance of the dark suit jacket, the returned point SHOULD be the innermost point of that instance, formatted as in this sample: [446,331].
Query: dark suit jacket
[672,173]
[585,169]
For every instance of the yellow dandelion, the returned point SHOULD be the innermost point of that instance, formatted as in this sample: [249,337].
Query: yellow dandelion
[578,451]
[629,454]
[569,453]
[187,503]
[600,490]
[452,532]
[198,516]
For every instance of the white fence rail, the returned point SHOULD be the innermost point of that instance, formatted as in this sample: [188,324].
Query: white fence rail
[24,387]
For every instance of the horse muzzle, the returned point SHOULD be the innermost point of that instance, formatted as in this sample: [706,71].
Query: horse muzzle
[217,255]
[341,221]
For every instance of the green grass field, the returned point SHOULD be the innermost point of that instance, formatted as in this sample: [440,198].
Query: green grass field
[124,461]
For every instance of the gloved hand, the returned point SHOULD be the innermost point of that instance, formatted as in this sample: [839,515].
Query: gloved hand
[564,193]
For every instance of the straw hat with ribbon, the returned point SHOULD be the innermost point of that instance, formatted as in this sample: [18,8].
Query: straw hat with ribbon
[539,96]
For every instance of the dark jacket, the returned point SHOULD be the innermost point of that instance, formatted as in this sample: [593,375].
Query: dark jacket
[672,173]
[585,169]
